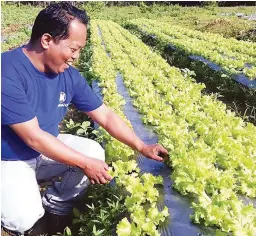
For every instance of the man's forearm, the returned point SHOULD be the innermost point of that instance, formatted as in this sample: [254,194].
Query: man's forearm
[121,131]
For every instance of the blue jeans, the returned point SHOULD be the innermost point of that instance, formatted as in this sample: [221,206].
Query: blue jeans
[21,200]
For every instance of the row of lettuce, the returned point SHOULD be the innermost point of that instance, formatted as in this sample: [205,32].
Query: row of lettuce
[142,195]
[232,55]
[213,152]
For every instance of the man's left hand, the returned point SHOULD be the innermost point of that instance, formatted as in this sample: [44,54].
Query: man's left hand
[154,151]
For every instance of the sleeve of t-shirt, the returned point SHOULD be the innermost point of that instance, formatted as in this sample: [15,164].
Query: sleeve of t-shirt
[84,97]
[15,107]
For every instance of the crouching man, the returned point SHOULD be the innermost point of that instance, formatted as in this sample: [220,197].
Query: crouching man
[38,84]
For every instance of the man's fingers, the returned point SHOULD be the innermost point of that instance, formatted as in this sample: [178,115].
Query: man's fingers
[162,149]
[103,177]
[92,181]
[107,176]
[102,180]
[105,166]
[161,152]
[157,158]
[98,180]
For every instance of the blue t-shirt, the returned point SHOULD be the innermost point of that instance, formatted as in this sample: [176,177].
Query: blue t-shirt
[28,93]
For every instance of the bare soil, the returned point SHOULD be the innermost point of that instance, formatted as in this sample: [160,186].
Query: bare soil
[11,28]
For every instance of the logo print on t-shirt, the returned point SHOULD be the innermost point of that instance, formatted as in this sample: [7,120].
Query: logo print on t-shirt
[62,100]
[62,97]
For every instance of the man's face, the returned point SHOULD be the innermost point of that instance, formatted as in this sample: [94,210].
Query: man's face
[62,53]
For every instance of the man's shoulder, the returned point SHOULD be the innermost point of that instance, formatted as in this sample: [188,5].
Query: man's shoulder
[10,55]
[73,73]
[9,59]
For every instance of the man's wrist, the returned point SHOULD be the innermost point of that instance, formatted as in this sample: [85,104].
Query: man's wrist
[140,146]
[83,162]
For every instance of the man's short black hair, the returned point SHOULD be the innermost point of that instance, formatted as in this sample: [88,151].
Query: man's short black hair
[55,20]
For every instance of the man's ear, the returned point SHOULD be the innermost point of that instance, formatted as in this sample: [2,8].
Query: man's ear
[46,40]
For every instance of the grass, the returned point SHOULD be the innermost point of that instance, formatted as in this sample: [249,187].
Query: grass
[100,210]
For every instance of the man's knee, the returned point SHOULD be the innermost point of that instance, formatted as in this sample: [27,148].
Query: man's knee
[22,221]
[97,151]
[20,197]
[86,146]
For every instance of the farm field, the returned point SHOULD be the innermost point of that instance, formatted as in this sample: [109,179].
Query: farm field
[217,61]
[138,60]
[165,106]
[16,20]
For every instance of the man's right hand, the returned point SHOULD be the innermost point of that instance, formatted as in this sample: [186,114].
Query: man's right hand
[97,171]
